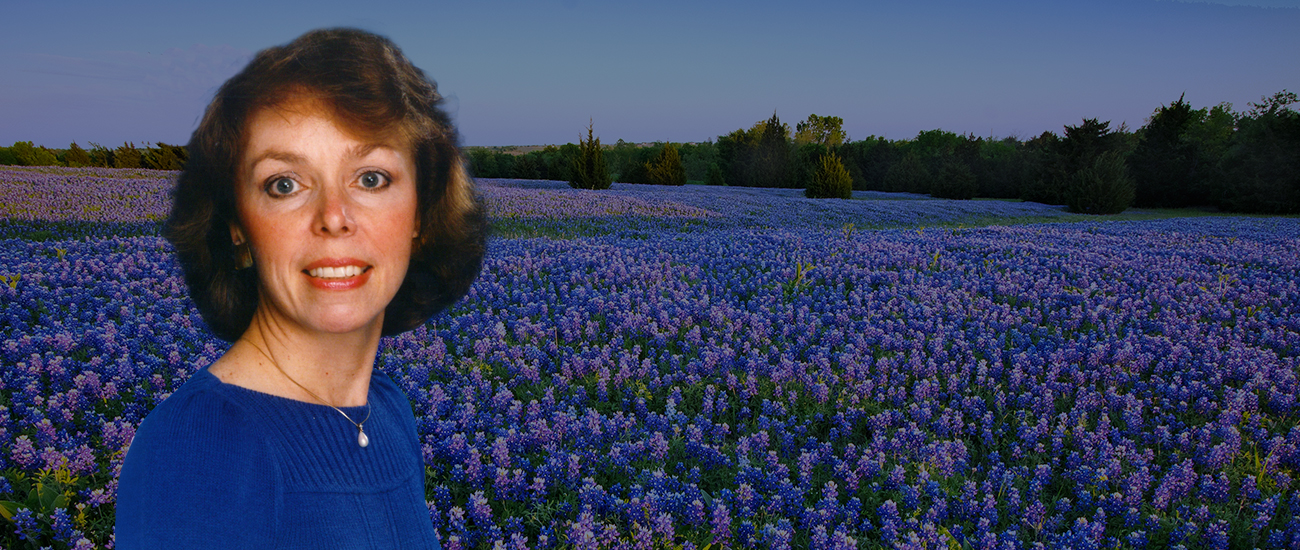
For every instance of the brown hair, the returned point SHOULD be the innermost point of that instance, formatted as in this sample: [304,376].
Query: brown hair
[372,89]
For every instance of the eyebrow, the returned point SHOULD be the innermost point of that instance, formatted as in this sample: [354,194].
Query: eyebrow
[356,152]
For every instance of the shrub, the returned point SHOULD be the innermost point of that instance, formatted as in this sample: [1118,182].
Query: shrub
[589,170]
[715,176]
[1104,187]
[805,160]
[667,168]
[831,180]
[955,181]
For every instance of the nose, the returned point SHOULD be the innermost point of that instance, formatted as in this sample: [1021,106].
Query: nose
[333,213]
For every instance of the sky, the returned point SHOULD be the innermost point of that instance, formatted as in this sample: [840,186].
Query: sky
[535,73]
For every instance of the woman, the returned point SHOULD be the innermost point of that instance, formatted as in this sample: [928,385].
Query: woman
[324,204]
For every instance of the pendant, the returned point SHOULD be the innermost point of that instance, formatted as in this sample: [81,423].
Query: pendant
[362,440]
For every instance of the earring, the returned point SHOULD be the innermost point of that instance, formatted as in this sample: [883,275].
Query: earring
[243,256]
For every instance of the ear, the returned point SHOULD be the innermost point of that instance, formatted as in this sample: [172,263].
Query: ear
[237,234]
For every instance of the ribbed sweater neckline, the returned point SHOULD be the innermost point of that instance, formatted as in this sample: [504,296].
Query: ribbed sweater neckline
[315,448]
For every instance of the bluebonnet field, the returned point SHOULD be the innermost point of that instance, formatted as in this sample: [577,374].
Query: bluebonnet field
[740,368]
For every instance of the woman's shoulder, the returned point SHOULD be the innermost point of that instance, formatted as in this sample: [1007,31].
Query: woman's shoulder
[197,409]
[196,462]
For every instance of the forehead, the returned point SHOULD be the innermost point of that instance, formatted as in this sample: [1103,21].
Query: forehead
[269,125]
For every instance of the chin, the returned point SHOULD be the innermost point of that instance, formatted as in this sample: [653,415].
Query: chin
[348,324]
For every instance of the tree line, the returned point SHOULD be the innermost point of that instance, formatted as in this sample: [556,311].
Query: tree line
[1181,157]
[160,156]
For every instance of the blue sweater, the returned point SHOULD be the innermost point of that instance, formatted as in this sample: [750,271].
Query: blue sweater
[220,466]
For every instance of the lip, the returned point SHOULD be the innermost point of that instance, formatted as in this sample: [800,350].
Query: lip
[344,283]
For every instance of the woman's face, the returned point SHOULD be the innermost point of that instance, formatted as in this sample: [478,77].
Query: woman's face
[330,218]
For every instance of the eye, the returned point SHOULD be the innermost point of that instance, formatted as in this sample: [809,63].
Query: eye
[281,186]
[373,180]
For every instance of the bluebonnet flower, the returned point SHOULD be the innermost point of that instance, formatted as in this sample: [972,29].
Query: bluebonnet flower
[26,525]
[1118,365]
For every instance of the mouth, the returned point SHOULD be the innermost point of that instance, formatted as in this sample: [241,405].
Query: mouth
[342,272]
[338,273]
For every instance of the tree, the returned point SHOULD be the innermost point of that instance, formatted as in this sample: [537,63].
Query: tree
[76,156]
[715,176]
[1104,187]
[908,175]
[1261,169]
[736,155]
[164,157]
[772,158]
[955,181]
[868,161]
[28,154]
[525,168]
[127,156]
[482,163]
[1170,168]
[1062,158]
[830,180]
[825,130]
[589,170]
[100,156]
[667,168]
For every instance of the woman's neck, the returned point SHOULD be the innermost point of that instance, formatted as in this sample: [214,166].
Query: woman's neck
[271,356]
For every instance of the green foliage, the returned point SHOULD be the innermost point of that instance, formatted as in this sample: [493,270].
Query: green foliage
[758,157]
[630,161]
[955,181]
[715,176]
[1105,187]
[773,155]
[908,175]
[1176,158]
[1046,180]
[7,157]
[164,157]
[825,130]
[1261,169]
[28,154]
[127,156]
[935,145]
[804,162]
[100,156]
[76,156]
[869,161]
[589,169]
[831,179]
[560,161]
[1061,158]
[483,163]
[736,154]
[667,168]
[697,158]
[1004,167]
[525,168]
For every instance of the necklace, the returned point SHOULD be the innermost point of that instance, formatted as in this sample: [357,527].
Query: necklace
[362,439]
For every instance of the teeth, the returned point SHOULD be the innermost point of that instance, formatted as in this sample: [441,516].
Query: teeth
[335,272]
